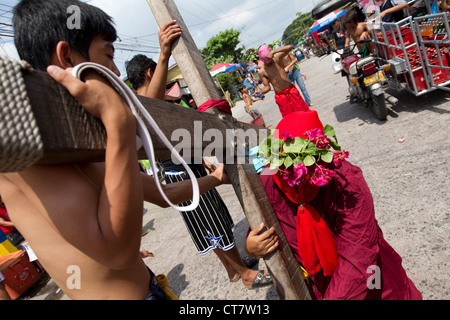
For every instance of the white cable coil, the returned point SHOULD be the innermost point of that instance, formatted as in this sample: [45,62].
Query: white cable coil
[137,108]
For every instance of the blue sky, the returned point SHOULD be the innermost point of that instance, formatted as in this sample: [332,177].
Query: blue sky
[260,21]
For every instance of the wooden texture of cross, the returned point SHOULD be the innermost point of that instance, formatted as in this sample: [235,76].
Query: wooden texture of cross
[248,187]
[70,134]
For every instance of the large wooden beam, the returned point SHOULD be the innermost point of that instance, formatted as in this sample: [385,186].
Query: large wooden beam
[70,134]
[186,54]
[248,187]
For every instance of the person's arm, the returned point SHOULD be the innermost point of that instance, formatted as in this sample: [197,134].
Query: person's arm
[366,34]
[293,62]
[5,223]
[347,40]
[334,43]
[157,87]
[107,226]
[180,192]
[283,51]
[396,8]
[266,84]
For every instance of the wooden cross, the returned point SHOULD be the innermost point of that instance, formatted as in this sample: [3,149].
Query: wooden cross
[69,134]
[248,187]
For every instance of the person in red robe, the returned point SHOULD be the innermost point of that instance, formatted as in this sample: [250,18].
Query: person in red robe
[272,72]
[356,262]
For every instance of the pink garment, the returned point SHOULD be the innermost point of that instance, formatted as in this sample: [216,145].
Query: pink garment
[222,105]
[4,216]
[346,205]
[263,52]
[289,100]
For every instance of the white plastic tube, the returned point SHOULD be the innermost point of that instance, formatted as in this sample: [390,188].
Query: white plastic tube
[142,131]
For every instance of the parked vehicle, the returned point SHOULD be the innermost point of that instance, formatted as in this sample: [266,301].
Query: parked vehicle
[366,78]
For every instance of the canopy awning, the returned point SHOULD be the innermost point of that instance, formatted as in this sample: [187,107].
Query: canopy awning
[327,21]
[224,67]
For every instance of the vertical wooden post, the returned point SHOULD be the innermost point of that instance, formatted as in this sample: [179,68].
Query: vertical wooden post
[248,187]
[186,54]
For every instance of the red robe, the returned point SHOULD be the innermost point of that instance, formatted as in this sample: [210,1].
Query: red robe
[290,100]
[346,204]
[4,216]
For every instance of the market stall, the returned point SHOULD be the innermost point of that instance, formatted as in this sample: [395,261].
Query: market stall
[318,31]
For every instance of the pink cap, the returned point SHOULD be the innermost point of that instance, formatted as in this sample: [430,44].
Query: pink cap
[263,52]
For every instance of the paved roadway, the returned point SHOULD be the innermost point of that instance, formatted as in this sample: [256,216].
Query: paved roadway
[409,183]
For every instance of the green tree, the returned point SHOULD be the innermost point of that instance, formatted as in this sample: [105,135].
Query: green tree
[223,48]
[274,44]
[297,29]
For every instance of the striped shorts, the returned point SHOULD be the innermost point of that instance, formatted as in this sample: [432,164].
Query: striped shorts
[210,225]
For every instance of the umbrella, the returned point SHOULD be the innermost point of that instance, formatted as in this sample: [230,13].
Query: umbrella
[327,21]
[224,67]
[252,67]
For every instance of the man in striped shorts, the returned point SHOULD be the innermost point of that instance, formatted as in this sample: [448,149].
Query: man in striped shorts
[210,225]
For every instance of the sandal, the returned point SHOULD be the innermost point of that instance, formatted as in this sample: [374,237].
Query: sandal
[261,280]
[250,262]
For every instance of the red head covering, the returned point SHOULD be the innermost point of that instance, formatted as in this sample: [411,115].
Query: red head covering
[222,105]
[316,245]
[298,123]
[263,52]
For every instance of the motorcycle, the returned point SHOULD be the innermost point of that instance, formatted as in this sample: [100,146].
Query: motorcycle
[366,78]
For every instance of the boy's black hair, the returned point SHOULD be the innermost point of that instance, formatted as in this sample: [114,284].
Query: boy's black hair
[40,24]
[352,16]
[136,69]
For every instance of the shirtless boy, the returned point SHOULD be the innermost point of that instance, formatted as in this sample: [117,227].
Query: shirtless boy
[86,215]
[357,31]
[248,100]
[272,72]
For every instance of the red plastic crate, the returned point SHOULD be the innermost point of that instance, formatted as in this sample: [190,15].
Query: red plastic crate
[408,39]
[440,75]
[19,272]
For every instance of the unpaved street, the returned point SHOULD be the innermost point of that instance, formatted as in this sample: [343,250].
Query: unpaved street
[409,182]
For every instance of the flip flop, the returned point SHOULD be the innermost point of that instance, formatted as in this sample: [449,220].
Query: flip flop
[261,280]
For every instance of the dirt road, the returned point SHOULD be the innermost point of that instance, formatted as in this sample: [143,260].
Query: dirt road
[409,182]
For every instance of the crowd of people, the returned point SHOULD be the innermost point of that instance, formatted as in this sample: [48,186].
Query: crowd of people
[90,214]
[279,70]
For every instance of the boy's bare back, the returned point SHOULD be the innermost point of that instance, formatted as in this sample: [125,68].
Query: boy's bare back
[273,73]
[61,209]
